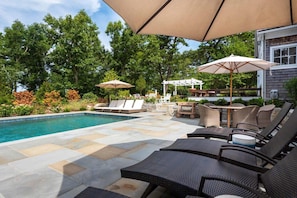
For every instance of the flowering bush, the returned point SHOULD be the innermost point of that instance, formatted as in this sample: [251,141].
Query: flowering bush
[52,98]
[6,110]
[23,110]
[72,95]
[24,97]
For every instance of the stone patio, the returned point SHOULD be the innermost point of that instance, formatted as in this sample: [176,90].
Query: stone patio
[64,164]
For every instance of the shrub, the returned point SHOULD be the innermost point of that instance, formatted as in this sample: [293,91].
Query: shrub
[56,109]
[40,93]
[24,97]
[74,106]
[178,99]
[150,100]
[6,110]
[21,110]
[291,87]
[256,101]
[52,98]
[6,99]
[221,102]
[203,101]
[91,97]
[123,94]
[239,100]
[72,95]
[103,100]
[83,108]
[39,109]
[276,102]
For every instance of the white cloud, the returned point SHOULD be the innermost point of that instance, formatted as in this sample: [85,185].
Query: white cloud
[30,11]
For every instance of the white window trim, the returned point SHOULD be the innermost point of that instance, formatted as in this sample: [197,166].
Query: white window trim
[282,66]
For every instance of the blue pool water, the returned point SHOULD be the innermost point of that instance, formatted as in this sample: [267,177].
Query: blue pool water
[22,128]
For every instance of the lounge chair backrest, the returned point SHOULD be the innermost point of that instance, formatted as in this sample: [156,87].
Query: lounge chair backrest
[138,104]
[277,120]
[281,180]
[282,138]
[128,104]
[113,103]
[120,104]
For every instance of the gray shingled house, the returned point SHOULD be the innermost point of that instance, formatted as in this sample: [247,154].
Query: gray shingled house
[277,45]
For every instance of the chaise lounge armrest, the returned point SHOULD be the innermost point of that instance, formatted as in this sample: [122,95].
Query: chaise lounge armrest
[218,179]
[247,126]
[266,160]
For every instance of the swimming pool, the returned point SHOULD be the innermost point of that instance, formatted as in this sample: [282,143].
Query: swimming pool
[21,128]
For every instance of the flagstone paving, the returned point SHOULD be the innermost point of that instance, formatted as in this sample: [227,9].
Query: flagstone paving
[64,164]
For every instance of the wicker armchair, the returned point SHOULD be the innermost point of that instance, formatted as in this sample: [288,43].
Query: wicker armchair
[264,115]
[246,115]
[208,116]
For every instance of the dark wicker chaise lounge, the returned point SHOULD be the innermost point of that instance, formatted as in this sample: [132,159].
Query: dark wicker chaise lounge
[280,181]
[92,192]
[181,173]
[224,133]
[231,153]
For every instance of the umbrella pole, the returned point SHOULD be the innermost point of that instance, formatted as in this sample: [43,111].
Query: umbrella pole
[231,87]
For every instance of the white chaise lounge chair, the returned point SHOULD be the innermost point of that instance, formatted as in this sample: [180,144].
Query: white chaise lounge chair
[137,107]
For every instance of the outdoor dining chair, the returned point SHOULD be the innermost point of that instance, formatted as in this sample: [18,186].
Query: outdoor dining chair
[208,117]
[264,115]
[247,114]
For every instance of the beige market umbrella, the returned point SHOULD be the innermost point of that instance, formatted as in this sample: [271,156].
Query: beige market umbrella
[235,64]
[204,19]
[114,84]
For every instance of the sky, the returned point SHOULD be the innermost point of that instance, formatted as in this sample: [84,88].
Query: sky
[31,11]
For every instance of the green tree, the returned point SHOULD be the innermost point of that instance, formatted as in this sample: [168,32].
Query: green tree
[5,88]
[34,71]
[76,51]
[154,57]
[140,84]
[108,76]
[13,53]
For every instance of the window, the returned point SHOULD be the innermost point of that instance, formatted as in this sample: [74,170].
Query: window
[285,55]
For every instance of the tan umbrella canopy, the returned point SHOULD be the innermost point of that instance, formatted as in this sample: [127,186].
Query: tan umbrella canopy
[235,64]
[114,84]
[204,19]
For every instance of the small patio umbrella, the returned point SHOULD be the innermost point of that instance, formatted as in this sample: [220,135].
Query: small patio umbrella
[235,64]
[204,19]
[114,84]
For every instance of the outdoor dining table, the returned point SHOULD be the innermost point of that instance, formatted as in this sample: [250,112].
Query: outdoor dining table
[229,109]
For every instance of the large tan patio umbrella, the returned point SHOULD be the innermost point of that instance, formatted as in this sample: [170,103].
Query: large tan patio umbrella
[235,64]
[204,19]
